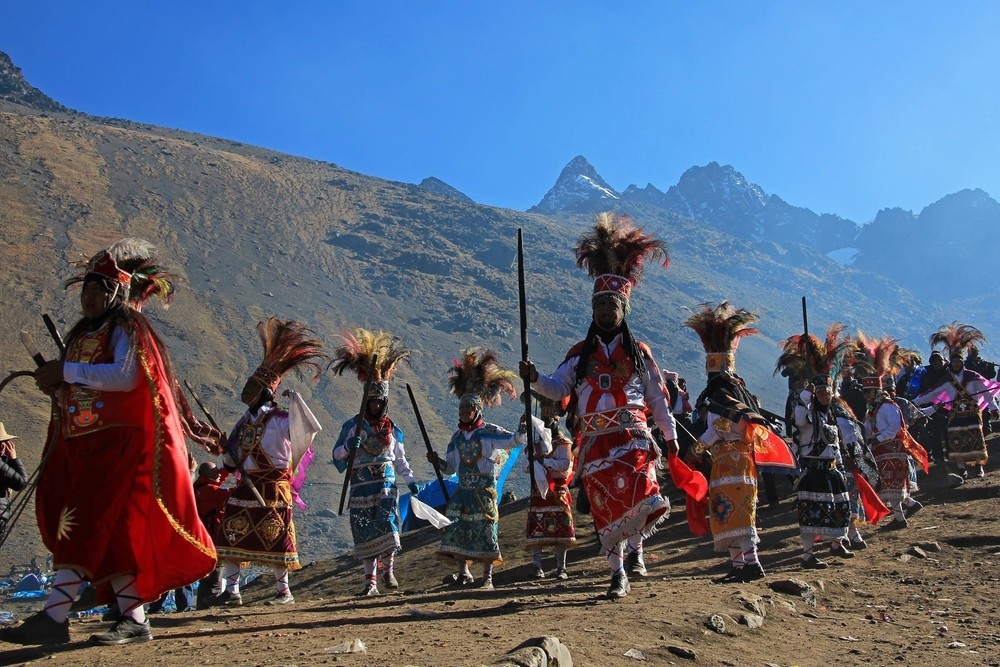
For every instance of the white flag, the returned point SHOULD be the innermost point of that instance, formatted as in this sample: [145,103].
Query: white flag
[428,513]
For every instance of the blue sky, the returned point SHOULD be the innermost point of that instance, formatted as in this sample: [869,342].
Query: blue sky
[841,107]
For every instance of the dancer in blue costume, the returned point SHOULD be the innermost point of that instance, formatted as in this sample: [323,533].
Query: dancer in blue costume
[379,456]
[477,452]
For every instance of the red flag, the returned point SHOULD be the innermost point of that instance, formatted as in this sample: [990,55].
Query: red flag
[768,447]
[875,509]
[695,487]
[914,449]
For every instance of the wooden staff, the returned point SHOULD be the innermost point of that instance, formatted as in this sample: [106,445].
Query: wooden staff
[523,305]
[427,440]
[236,457]
[357,432]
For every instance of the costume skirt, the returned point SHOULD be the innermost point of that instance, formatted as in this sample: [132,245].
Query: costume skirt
[261,535]
[619,477]
[894,471]
[374,510]
[84,501]
[823,505]
[732,495]
[550,519]
[966,442]
[473,533]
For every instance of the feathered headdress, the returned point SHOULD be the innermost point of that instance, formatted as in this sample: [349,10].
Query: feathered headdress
[287,346]
[478,377]
[356,353]
[720,329]
[881,358]
[957,338]
[130,264]
[615,252]
[815,360]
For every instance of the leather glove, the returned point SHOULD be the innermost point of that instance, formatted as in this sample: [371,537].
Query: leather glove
[414,489]
[354,444]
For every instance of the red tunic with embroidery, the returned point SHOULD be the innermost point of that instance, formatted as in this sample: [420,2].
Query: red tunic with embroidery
[115,495]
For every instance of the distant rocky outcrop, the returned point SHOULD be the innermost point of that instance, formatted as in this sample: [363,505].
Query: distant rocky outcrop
[439,187]
[579,189]
[14,88]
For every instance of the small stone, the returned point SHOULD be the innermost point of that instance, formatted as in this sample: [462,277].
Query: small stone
[682,652]
[956,645]
[752,621]
[918,552]
[929,546]
[904,558]
[716,623]
[635,654]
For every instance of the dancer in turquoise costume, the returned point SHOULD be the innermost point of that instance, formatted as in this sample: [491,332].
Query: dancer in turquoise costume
[379,456]
[477,452]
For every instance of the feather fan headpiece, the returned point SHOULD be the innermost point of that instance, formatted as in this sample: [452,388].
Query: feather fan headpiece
[615,252]
[881,358]
[815,360]
[130,264]
[720,329]
[287,346]
[356,353]
[957,338]
[478,377]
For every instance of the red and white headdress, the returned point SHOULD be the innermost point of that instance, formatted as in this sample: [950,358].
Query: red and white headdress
[614,254]
[131,265]
[881,358]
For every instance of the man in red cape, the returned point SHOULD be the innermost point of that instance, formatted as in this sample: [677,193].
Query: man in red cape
[115,504]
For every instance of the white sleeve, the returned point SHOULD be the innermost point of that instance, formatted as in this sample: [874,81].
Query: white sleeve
[560,383]
[120,375]
[400,464]
[888,421]
[710,436]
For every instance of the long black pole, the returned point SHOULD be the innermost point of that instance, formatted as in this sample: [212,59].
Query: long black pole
[805,318]
[358,429]
[427,440]
[523,304]
[54,332]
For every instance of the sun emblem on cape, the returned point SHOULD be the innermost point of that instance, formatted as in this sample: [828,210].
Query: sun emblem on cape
[66,523]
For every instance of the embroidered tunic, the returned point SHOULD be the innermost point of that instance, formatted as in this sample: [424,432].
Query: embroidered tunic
[883,426]
[250,532]
[478,457]
[550,519]
[823,502]
[374,508]
[115,495]
[732,486]
[617,453]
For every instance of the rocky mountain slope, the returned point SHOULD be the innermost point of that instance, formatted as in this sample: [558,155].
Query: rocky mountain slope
[253,232]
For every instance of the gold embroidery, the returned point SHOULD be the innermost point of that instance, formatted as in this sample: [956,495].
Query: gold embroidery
[270,529]
[66,523]
[236,527]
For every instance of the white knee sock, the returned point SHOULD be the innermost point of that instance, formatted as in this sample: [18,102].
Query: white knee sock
[281,580]
[65,589]
[127,594]
[231,571]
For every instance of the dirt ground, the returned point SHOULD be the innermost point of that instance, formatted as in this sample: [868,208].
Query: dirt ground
[938,604]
